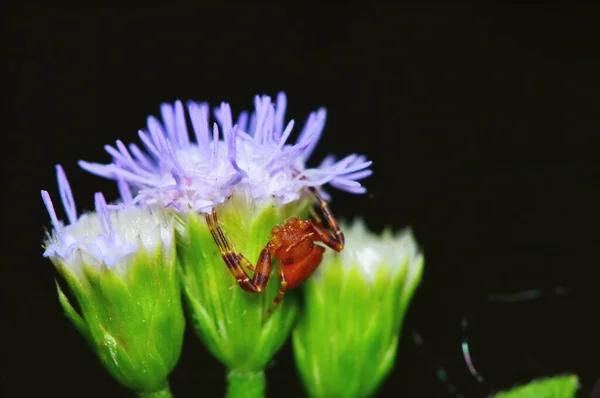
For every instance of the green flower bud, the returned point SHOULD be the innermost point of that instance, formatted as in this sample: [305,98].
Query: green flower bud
[553,387]
[121,268]
[346,339]
[230,321]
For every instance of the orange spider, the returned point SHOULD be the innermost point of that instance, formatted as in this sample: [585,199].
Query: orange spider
[292,244]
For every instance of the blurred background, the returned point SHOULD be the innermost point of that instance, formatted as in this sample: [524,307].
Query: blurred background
[481,123]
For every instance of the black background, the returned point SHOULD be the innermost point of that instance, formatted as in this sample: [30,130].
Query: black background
[481,122]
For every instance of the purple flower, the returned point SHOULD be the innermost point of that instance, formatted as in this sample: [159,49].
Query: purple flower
[251,157]
[102,238]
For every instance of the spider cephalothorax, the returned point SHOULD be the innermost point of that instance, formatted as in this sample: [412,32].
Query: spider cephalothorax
[291,244]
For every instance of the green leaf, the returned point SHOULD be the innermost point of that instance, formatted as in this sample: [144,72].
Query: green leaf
[554,387]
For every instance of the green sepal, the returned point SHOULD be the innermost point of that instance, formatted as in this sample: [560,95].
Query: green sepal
[346,340]
[72,315]
[133,318]
[553,387]
[228,320]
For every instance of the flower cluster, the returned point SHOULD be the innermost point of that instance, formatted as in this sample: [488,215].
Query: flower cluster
[128,262]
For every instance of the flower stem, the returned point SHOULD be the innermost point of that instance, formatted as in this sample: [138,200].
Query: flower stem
[164,392]
[246,384]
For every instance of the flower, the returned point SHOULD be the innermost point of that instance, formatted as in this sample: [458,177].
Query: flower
[346,339]
[103,238]
[250,158]
[120,266]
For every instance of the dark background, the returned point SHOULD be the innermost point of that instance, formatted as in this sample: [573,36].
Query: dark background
[481,122]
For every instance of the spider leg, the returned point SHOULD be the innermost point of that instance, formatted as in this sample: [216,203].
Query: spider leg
[335,241]
[280,294]
[246,263]
[235,261]
[316,217]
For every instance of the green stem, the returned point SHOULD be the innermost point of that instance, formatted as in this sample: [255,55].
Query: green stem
[248,384]
[164,392]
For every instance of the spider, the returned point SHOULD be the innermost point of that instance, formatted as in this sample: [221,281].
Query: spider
[292,244]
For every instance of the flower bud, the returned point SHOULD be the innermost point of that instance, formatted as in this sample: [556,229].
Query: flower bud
[346,339]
